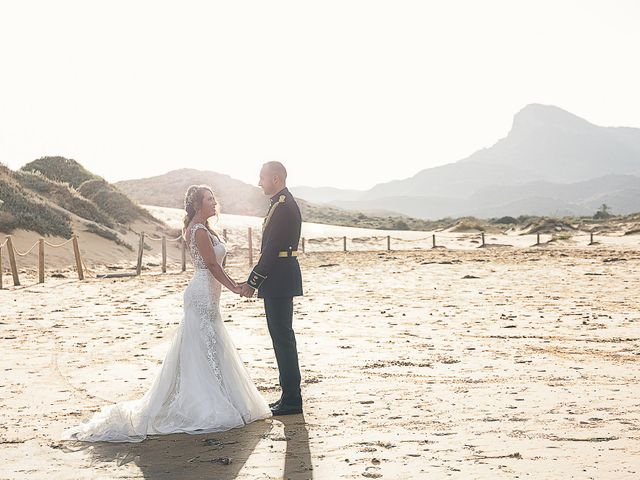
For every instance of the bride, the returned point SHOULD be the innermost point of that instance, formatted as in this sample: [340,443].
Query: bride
[202,385]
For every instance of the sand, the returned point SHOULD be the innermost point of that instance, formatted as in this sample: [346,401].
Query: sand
[477,363]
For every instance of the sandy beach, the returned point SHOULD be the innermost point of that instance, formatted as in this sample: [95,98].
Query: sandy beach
[477,363]
[459,181]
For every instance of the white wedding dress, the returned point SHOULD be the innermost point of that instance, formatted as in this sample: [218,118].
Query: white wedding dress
[202,386]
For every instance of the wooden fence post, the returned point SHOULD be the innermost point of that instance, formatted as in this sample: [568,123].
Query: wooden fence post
[388,243]
[537,239]
[1,286]
[591,238]
[76,252]
[303,245]
[164,254]
[433,241]
[344,243]
[482,235]
[41,260]
[12,261]
[140,249]
[250,233]
[184,254]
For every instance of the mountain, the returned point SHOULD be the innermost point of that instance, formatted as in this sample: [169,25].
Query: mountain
[620,192]
[239,198]
[539,167]
[558,146]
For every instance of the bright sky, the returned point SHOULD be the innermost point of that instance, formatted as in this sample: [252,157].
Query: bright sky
[345,93]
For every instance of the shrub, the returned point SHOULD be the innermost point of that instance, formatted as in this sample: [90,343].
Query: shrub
[505,220]
[25,209]
[602,215]
[61,170]
[64,195]
[400,225]
[112,201]
[7,222]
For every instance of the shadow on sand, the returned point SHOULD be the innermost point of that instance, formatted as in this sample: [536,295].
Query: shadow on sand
[212,455]
[206,456]
[297,460]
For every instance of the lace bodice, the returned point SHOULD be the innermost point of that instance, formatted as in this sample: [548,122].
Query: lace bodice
[218,247]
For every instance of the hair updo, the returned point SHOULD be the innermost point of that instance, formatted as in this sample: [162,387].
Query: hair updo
[192,202]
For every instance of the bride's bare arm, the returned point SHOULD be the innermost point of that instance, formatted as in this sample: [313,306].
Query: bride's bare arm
[209,256]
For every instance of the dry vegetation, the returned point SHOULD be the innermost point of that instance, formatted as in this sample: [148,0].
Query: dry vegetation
[45,194]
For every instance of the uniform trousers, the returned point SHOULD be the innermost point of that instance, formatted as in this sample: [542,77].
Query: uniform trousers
[279,311]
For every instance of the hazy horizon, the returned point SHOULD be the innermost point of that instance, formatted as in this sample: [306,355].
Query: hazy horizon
[347,95]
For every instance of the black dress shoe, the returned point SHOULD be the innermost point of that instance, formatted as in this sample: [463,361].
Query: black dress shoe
[284,409]
[275,404]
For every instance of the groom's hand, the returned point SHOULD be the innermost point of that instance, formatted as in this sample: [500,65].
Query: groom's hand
[242,286]
[247,291]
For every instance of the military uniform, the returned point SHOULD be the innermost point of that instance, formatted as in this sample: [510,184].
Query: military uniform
[277,278]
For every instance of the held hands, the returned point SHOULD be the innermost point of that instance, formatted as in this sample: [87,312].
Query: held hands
[243,290]
[246,290]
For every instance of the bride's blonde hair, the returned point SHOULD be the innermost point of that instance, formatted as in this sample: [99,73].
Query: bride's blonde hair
[193,200]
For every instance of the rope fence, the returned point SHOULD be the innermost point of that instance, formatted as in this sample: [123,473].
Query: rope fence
[158,239]
[12,251]
[388,242]
[438,240]
[27,252]
[59,244]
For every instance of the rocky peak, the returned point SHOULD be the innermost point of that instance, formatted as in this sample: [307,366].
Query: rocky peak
[536,116]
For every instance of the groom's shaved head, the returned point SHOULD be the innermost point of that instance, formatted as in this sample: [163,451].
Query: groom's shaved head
[276,169]
[273,178]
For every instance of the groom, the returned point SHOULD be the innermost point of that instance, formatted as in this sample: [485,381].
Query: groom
[277,278]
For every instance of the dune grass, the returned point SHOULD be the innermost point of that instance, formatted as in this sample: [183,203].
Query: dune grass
[60,169]
[112,201]
[22,208]
[64,195]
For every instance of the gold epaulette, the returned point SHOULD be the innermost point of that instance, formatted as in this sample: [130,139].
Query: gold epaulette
[271,210]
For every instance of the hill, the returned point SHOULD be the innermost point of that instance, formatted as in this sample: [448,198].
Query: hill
[168,190]
[239,198]
[111,201]
[60,169]
[548,155]
[620,192]
[22,209]
[63,195]
[57,196]
[544,143]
